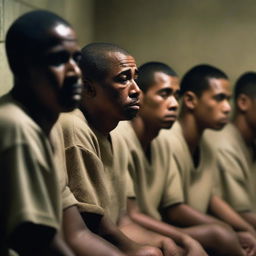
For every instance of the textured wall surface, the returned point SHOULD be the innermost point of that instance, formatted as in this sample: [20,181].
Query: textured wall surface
[182,33]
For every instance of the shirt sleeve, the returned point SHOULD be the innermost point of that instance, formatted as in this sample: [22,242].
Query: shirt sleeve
[85,180]
[29,192]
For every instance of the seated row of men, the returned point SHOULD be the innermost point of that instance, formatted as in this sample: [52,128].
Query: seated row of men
[113,177]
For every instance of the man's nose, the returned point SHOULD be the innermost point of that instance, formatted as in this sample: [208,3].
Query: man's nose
[134,90]
[173,102]
[226,106]
[73,68]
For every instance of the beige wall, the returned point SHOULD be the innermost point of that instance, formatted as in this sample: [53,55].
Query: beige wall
[182,33]
[77,12]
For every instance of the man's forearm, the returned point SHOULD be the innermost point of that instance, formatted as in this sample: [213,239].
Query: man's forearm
[249,217]
[219,208]
[183,215]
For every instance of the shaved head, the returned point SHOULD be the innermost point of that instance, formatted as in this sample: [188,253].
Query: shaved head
[29,35]
[96,59]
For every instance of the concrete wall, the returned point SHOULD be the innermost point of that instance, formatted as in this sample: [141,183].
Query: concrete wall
[78,12]
[182,33]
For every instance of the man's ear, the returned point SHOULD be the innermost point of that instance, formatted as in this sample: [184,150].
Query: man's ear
[243,102]
[190,100]
[89,88]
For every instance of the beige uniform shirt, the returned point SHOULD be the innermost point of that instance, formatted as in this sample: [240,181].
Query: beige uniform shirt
[96,167]
[29,182]
[156,183]
[236,166]
[198,183]
[57,141]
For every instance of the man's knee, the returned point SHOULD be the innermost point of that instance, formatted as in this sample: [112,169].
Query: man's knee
[225,240]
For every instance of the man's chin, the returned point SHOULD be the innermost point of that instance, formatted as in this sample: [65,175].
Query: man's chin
[167,125]
[219,127]
[70,107]
[131,114]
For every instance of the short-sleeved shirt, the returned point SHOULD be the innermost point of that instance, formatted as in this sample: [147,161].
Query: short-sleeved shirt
[96,167]
[198,183]
[57,141]
[29,182]
[236,166]
[155,181]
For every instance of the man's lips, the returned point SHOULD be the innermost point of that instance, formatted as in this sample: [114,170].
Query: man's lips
[224,120]
[170,117]
[134,105]
[77,90]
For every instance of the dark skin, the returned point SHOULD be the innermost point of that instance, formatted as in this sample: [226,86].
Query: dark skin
[198,113]
[116,98]
[244,121]
[43,87]
[159,110]
[81,240]
[40,87]
[57,67]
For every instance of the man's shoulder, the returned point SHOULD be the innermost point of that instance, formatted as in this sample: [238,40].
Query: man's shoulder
[125,132]
[11,112]
[77,132]
[175,139]
[226,138]
[16,126]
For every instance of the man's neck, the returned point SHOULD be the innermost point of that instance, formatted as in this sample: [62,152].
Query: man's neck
[247,133]
[145,132]
[191,131]
[44,118]
[98,121]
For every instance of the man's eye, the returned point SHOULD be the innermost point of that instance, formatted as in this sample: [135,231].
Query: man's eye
[177,95]
[77,57]
[57,59]
[220,97]
[164,94]
[122,79]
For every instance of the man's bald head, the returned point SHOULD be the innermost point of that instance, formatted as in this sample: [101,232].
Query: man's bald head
[95,60]
[30,35]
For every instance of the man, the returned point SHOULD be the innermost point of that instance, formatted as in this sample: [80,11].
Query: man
[96,160]
[205,94]
[153,178]
[42,52]
[235,149]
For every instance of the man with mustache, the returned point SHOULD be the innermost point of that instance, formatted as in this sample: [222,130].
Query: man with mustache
[97,161]
[42,53]
[151,170]
[235,150]
[205,104]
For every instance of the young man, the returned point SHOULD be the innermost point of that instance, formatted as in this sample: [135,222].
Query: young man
[42,52]
[151,171]
[235,149]
[97,161]
[205,94]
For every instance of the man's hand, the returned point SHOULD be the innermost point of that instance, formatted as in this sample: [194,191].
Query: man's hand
[192,247]
[169,248]
[143,251]
[248,242]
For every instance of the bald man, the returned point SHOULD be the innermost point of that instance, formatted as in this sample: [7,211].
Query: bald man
[97,161]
